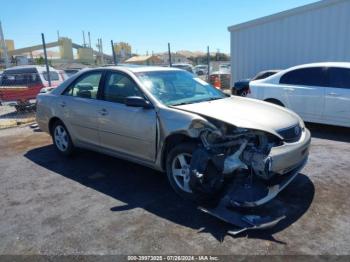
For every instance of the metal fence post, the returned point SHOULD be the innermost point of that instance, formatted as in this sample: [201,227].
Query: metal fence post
[46,62]
[208,62]
[169,54]
[4,47]
[113,52]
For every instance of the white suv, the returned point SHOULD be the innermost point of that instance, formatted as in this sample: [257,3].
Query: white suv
[318,92]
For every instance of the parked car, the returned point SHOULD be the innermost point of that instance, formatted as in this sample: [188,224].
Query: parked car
[201,70]
[220,79]
[20,85]
[172,121]
[241,88]
[318,92]
[187,67]
[225,67]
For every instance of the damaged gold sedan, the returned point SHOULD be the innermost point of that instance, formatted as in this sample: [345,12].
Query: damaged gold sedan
[229,154]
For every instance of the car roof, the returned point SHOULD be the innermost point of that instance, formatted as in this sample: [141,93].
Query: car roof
[139,69]
[269,71]
[39,68]
[322,64]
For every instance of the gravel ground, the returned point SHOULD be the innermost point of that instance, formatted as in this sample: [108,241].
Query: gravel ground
[95,204]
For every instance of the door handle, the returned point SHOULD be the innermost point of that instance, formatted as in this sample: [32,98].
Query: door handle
[63,104]
[332,94]
[103,112]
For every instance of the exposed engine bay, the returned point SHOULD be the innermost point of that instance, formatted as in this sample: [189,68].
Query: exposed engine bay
[231,170]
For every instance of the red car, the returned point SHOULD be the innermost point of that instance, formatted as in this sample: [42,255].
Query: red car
[20,85]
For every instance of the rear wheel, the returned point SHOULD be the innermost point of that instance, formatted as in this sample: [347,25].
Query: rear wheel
[178,169]
[61,138]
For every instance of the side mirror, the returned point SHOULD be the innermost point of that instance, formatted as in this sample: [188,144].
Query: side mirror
[137,101]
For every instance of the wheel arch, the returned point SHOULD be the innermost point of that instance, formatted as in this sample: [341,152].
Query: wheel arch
[170,142]
[52,122]
[274,101]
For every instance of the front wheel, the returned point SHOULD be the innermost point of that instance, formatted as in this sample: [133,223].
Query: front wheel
[61,139]
[178,169]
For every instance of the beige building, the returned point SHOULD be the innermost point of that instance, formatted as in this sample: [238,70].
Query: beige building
[10,45]
[144,60]
[175,58]
[66,48]
[85,55]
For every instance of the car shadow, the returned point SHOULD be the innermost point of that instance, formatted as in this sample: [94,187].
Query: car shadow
[336,133]
[141,187]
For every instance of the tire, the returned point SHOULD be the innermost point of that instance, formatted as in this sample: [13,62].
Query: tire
[62,139]
[173,162]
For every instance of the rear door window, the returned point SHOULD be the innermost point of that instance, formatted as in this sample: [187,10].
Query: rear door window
[313,76]
[339,77]
[86,86]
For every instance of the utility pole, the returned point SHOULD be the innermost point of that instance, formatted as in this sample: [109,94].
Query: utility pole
[4,47]
[208,61]
[217,54]
[102,58]
[169,55]
[113,52]
[46,62]
[89,39]
[84,43]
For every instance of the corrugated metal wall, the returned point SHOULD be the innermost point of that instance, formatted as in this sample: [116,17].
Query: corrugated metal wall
[321,34]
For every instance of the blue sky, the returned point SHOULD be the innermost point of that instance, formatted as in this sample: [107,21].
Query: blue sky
[148,25]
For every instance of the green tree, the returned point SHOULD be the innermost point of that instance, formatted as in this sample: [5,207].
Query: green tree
[40,61]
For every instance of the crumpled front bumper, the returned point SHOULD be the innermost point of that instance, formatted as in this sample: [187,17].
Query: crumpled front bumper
[248,193]
[290,155]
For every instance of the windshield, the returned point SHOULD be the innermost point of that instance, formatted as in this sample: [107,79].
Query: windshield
[178,87]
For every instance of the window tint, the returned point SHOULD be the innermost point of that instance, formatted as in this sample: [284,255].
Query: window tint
[314,76]
[53,76]
[263,75]
[118,86]
[25,79]
[86,86]
[339,77]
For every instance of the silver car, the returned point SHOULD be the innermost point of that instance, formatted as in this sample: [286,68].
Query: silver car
[169,120]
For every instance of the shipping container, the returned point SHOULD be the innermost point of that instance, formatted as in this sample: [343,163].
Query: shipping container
[317,32]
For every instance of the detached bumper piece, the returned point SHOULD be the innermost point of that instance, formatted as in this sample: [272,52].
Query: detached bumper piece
[244,222]
[241,204]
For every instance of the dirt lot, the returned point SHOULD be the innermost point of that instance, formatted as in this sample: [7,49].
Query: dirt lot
[94,204]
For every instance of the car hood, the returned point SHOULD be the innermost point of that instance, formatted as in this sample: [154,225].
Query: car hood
[245,113]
